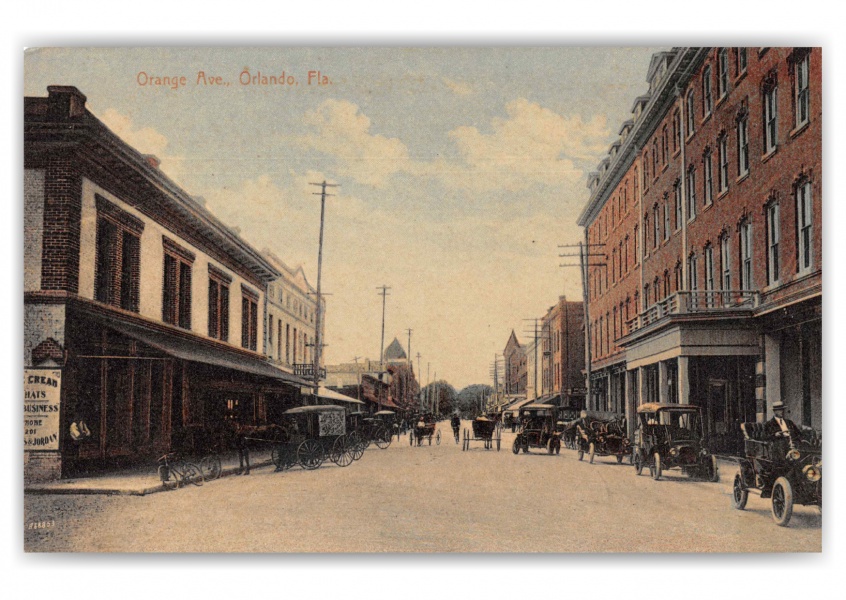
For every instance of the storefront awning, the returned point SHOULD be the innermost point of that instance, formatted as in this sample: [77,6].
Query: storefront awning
[328,394]
[195,351]
[516,405]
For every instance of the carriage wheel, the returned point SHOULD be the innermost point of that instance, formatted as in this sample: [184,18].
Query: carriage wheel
[655,467]
[383,438]
[438,438]
[210,466]
[341,452]
[739,494]
[357,445]
[310,454]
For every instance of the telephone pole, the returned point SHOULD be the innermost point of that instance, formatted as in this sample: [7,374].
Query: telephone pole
[384,293]
[318,315]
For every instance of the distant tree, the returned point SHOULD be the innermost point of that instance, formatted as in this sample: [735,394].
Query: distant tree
[470,400]
[442,395]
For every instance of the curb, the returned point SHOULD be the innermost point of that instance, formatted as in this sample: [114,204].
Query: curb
[84,491]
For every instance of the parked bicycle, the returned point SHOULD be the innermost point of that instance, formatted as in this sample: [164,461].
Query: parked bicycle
[175,472]
[210,467]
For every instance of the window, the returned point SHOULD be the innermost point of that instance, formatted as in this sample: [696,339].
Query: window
[219,304]
[692,276]
[725,266]
[636,241]
[679,281]
[655,158]
[677,190]
[804,226]
[645,295]
[708,178]
[645,170]
[707,104]
[746,255]
[667,217]
[656,226]
[270,335]
[709,274]
[722,72]
[770,119]
[665,147]
[724,162]
[742,61]
[773,235]
[803,111]
[249,318]
[614,265]
[117,269]
[742,146]
[691,193]
[676,131]
[690,114]
[279,340]
[288,343]
[176,291]
[666,283]
[620,259]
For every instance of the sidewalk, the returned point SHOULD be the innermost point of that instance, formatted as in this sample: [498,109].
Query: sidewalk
[133,482]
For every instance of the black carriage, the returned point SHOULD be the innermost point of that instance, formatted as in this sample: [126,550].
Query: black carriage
[539,428]
[485,430]
[600,433]
[670,436]
[426,428]
[313,434]
[785,467]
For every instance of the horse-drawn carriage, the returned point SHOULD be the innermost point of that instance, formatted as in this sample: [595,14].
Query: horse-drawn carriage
[426,428]
[602,434]
[485,430]
[311,435]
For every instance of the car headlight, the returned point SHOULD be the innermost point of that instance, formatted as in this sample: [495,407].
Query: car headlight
[674,451]
[812,473]
[817,462]
[793,454]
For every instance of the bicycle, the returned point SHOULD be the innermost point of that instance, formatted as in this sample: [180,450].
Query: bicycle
[210,467]
[173,471]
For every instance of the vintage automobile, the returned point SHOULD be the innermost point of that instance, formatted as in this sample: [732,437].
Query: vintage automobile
[602,434]
[785,468]
[670,436]
[539,428]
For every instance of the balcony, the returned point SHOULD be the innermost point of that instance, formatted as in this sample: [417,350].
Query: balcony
[696,303]
[306,371]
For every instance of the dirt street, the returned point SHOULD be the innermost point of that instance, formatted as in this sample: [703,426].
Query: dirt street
[428,499]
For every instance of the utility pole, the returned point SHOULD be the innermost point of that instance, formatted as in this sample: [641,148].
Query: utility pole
[536,353]
[384,293]
[318,317]
[586,255]
[428,387]
[358,378]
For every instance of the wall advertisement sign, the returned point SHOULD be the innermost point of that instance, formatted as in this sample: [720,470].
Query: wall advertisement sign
[42,394]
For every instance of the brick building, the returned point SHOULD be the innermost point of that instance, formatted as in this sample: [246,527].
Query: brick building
[516,374]
[143,314]
[562,359]
[708,210]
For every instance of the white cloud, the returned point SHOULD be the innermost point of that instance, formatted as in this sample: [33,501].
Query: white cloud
[532,145]
[146,140]
[343,131]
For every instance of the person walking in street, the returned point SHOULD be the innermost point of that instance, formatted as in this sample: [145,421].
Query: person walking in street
[456,425]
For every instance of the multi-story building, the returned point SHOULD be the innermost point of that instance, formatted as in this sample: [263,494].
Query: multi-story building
[514,357]
[563,354]
[143,313]
[708,212]
[291,319]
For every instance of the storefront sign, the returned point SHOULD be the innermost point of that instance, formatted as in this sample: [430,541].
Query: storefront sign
[42,393]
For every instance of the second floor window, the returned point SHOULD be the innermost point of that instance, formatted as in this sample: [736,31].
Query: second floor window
[722,72]
[691,194]
[667,218]
[676,131]
[219,305]
[176,291]
[773,236]
[656,226]
[804,226]
[691,118]
[707,103]
[746,255]
[677,190]
[249,319]
[707,178]
[117,269]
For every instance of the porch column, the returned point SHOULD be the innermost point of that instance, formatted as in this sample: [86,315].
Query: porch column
[629,388]
[641,385]
[684,380]
[663,388]
[771,371]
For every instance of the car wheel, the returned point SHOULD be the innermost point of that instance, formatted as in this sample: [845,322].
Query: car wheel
[739,495]
[638,463]
[516,447]
[712,470]
[655,467]
[782,502]
[591,452]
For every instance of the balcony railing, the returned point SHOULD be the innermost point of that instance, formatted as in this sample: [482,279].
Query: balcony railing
[697,302]
[306,371]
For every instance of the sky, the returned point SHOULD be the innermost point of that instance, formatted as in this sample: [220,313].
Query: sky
[461,170]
